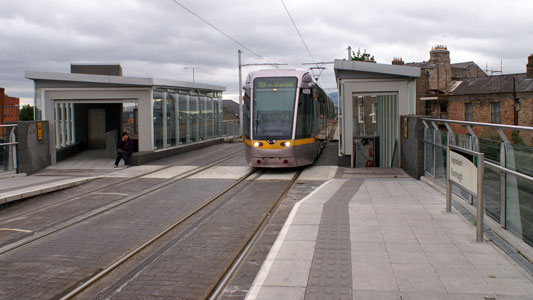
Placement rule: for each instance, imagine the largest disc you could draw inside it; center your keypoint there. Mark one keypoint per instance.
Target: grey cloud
(159, 38)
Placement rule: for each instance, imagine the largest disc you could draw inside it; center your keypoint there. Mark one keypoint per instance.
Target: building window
(469, 114)
(495, 112)
(361, 111)
(444, 111)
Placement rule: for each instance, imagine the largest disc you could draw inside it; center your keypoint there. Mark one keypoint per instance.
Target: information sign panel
(463, 171)
(39, 131)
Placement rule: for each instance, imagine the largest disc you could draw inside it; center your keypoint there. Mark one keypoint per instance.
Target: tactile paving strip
(331, 269)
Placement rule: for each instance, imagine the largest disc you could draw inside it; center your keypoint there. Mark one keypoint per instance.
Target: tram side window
(246, 114)
(306, 114)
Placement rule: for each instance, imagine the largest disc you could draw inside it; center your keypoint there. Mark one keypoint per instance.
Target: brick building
(463, 91)
(9, 109)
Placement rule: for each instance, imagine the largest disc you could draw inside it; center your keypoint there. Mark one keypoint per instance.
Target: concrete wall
(32, 155)
(412, 154)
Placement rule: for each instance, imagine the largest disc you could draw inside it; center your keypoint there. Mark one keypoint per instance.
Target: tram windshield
(273, 107)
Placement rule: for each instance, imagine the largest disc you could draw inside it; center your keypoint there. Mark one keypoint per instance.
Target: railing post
(12, 164)
(480, 201)
(448, 181)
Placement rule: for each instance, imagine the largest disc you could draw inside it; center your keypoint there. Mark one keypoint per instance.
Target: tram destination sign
(276, 83)
(463, 170)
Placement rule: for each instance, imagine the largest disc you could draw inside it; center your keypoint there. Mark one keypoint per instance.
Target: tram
(287, 118)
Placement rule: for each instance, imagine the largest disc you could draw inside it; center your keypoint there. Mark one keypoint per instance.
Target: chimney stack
(439, 54)
(397, 61)
(529, 67)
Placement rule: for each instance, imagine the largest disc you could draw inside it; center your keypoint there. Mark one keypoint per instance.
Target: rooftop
(494, 84)
(120, 80)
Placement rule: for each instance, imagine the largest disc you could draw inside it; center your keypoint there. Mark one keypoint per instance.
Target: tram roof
(277, 73)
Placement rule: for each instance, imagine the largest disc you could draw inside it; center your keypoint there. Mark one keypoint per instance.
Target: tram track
(117, 183)
(213, 205)
(218, 289)
(76, 219)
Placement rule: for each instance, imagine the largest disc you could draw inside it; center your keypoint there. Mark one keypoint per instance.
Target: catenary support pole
(240, 91)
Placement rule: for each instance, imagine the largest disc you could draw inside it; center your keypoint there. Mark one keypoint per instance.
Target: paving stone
(331, 271)
(417, 278)
(328, 293)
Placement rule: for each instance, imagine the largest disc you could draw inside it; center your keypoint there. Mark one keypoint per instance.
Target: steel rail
(135, 251)
(96, 212)
(221, 284)
(492, 125)
(102, 188)
(509, 171)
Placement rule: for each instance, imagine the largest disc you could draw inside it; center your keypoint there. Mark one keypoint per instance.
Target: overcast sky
(158, 38)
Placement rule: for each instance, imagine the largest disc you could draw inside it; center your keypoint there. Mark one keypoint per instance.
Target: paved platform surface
(79, 169)
(383, 237)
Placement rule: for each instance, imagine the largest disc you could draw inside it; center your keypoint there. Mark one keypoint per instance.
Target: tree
(362, 56)
(26, 113)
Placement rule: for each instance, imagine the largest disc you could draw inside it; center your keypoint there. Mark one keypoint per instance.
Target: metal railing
(231, 128)
(508, 174)
(8, 148)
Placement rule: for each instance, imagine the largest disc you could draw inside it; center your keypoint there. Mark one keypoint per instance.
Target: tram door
(375, 130)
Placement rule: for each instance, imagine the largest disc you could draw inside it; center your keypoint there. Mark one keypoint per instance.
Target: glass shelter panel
(158, 104)
(171, 118)
(203, 117)
(184, 116)
(209, 118)
(194, 117)
(184, 124)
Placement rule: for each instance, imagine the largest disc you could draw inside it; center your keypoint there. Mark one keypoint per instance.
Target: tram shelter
(372, 96)
(89, 108)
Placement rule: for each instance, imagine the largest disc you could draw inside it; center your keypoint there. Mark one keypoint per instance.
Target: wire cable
(220, 31)
(298, 31)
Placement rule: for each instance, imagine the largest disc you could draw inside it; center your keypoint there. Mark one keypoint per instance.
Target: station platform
(79, 169)
(362, 234)
(382, 235)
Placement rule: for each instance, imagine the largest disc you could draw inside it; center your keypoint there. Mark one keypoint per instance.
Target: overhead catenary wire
(219, 30)
(298, 31)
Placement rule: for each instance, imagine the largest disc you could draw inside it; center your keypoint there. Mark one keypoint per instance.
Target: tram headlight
(258, 144)
(285, 144)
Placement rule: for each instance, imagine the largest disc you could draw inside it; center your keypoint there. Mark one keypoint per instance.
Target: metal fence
(231, 128)
(8, 148)
(508, 174)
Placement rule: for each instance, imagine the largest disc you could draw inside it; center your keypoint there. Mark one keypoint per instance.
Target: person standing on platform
(124, 150)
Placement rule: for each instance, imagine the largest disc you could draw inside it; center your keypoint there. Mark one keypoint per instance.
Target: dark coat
(126, 145)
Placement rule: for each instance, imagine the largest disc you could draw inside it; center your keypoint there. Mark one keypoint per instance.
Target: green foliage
(26, 113)
(516, 139)
(362, 56)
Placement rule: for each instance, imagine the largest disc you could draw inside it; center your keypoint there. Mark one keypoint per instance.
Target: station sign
(465, 169)
(462, 170)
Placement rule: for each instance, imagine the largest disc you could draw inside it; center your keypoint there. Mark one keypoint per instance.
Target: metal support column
(240, 92)
(67, 121)
(72, 123)
(57, 125)
(63, 139)
(164, 120)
